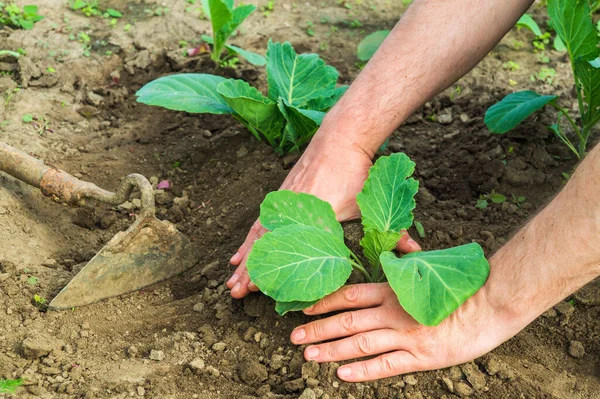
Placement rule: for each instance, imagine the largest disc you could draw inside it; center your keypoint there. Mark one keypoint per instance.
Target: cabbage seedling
(225, 20)
(304, 257)
(301, 89)
(573, 24)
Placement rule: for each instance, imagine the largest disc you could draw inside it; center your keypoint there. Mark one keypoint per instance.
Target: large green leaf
(528, 22)
(255, 109)
(301, 125)
(387, 198)
(297, 78)
(219, 14)
(190, 92)
(514, 109)
(299, 263)
(287, 208)
(283, 307)
(369, 45)
(589, 78)
(572, 22)
(375, 242)
(325, 103)
(432, 285)
(238, 16)
(251, 57)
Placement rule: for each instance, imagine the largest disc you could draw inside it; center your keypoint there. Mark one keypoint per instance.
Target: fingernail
(233, 278)
(413, 244)
(312, 352)
(251, 285)
(344, 372)
(309, 309)
(236, 287)
(298, 335)
(235, 258)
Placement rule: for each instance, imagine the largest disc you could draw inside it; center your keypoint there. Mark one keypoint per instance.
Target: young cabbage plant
(225, 20)
(573, 24)
(304, 258)
(301, 89)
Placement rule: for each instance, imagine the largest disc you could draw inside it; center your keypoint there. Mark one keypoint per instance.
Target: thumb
(406, 244)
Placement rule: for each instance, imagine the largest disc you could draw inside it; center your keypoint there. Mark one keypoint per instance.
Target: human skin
(551, 257)
(433, 45)
(555, 254)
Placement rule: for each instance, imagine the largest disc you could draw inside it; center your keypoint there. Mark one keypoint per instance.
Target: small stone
(276, 362)
(241, 152)
(410, 379)
(51, 263)
(263, 390)
(213, 371)
(312, 382)
(445, 118)
(39, 345)
(576, 349)
(219, 346)
(463, 389)
(181, 201)
(141, 391)
(94, 99)
(197, 364)
(294, 385)
(475, 377)
(448, 384)
(252, 372)
(199, 307)
(335, 384)
(206, 133)
(154, 181)
(310, 369)
(308, 394)
(132, 352)
(157, 355)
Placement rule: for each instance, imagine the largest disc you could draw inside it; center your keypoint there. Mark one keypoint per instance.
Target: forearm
(433, 45)
(556, 253)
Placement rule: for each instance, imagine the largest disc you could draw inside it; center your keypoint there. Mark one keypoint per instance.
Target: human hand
(381, 327)
(334, 173)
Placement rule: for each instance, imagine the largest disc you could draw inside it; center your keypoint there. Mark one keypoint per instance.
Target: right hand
(329, 170)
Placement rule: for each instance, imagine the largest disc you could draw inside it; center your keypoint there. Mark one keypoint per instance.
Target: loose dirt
(186, 338)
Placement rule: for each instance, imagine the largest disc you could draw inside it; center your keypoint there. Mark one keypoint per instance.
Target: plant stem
(582, 139)
(357, 264)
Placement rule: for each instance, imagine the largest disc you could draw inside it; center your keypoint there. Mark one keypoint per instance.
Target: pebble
(132, 352)
(576, 349)
(242, 152)
(449, 384)
(39, 345)
(157, 355)
(294, 385)
(445, 118)
(199, 307)
(252, 372)
(463, 389)
(310, 369)
(276, 362)
(410, 379)
(308, 393)
(219, 346)
(197, 364)
(141, 391)
(475, 377)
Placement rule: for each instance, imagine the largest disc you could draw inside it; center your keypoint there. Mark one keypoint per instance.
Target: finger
(256, 231)
(358, 345)
(242, 285)
(386, 365)
(406, 244)
(351, 297)
(343, 325)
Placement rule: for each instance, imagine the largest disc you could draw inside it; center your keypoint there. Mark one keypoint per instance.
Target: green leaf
(255, 109)
(432, 285)
(78, 4)
(10, 386)
(481, 204)
(301, 125)
(190, 92)
(387, 198)
(325, 103)
(11, 53)
(238, 16)
(369, 45)
(219, 14)
(526, 21)
(589, 78)
(514, 109)
(497, 198)
(559, 45)
(375, 242)
(283, 307)
(420, 229)
(287, 208)
(299, 263)
(572, 22)
(114, 13)
(297, 78)
(253, 58)
(27, 118)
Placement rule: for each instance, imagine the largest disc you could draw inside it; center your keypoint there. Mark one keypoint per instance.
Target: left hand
(381, 326)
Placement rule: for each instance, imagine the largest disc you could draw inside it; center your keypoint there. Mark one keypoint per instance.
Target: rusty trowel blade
(148, 252)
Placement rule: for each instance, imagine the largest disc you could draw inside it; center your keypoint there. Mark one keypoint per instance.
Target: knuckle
(363, 371)
(363, 344)
(348, 322)
(256, 227)
(317, 331)
(352, 293)
(325, 304)
(331, 352)
(386, 364)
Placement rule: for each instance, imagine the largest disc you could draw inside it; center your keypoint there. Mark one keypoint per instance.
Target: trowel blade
(148, 252)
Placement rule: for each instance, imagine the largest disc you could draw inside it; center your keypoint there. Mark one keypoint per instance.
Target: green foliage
(574, 27)
(369, 45)
(303, 257)
(526, 21)
(92, 8)
(301, 89)
(10, 386)
(16, 17)
(225, 20)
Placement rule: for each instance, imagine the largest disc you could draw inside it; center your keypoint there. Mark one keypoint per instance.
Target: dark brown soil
(209, 345)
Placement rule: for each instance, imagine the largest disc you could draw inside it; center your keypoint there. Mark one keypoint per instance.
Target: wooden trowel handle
(21, 165)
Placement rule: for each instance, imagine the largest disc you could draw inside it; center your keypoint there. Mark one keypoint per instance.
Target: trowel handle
(57, 183)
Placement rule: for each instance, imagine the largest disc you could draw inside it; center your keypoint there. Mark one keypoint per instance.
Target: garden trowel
(149, 251)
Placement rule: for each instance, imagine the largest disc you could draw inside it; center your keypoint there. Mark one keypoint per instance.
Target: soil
(186, 338)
